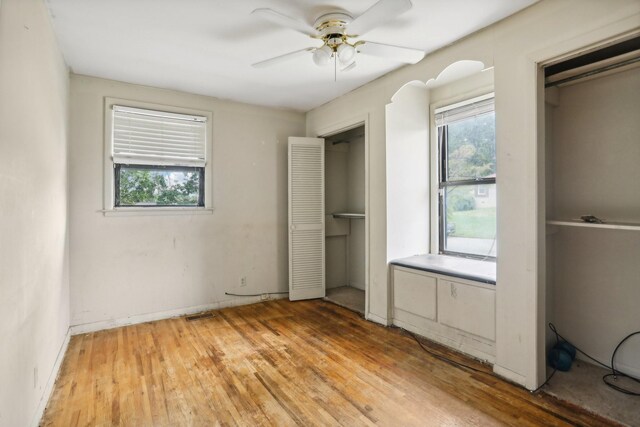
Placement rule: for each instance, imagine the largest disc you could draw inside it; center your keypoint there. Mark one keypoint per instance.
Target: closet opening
(345, 219)
(590, 251)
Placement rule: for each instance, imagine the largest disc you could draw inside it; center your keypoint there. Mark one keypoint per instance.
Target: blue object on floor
(559, 359)
(566, 346)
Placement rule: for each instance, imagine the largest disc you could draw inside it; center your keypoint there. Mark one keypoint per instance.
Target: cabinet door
(306, 218)
(414, 293)
(468, 308)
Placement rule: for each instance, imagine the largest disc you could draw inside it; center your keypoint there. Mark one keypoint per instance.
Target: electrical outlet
(35, 377)
(264, 297)
(243, 281)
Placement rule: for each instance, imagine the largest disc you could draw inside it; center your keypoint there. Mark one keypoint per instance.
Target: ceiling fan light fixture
(322, 56)
(346, 53)
(337, 29)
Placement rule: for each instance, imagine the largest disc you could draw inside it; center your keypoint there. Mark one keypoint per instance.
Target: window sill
(156, 211)
(463, 268)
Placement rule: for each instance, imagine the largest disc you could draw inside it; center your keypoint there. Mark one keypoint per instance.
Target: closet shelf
(609, 224)
(348, 215)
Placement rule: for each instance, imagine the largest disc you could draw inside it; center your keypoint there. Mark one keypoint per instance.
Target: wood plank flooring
(282, 363)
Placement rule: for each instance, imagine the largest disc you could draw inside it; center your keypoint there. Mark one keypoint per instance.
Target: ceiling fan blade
(282, 58)
(397, 53)
(349, 67)
(378, 14)
(284, 21)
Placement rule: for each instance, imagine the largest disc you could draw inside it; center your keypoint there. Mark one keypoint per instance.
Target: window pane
(470, 220)
(471, 148)
(158, 186)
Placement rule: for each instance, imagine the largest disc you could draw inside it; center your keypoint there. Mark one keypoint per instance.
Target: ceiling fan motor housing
(333, 25)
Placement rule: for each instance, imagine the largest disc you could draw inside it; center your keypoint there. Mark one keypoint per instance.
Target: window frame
(439, 169)
(109, 190)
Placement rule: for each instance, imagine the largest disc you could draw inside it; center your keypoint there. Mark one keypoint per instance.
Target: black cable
(462, 365)
(446, 359)
(553, 328)
(255, 295)
(471, 368)
(546, 381)
(614, 372)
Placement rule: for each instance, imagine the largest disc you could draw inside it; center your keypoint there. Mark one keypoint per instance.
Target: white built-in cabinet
(456, 312)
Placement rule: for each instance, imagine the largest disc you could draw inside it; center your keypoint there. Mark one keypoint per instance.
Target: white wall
(407, 167)
(596, 158)
(125, 267)
(336, 200)
(596, 149)
(356, 203)
(514, 46)
(34, 286)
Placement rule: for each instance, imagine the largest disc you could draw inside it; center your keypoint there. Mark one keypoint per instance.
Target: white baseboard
(377, 319)
(86, 328)
(53, 376)
(510, 375)
(454, 344)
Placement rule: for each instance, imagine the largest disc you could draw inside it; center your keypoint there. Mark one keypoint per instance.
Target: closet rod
(593, 72)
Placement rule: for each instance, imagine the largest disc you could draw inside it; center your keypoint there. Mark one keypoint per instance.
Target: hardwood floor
(282, 363)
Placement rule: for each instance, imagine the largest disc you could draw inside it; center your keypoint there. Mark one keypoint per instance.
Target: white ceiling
(207, 46)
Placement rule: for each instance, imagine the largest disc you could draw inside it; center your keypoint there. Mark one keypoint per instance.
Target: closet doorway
(592, 240)
(345, 219)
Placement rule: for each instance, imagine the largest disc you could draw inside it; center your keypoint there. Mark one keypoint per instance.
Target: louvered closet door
(306, 218)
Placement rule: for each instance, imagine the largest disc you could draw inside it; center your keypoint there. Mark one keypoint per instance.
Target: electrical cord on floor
(446, 359)
(615, 374)
(553, 328)
(255, 295)
(462, 365)
(546, 381)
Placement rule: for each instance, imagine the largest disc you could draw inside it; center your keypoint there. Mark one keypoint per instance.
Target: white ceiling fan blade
(378, 14)
(396, 53)
(284, 21)
(349, 67)
(282, 58)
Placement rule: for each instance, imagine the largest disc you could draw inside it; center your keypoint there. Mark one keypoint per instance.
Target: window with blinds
(159, 158)
(467, 170)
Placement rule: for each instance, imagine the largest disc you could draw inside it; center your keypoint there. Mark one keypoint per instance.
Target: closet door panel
(306, 218)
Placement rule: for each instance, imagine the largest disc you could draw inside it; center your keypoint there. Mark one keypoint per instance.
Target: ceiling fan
(336, 31)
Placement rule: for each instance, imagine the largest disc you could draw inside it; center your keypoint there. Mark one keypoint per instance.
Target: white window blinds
(457, 112)
(149, 137)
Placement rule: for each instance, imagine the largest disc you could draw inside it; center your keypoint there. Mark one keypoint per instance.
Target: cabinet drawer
(468, 308)
(414, 293)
